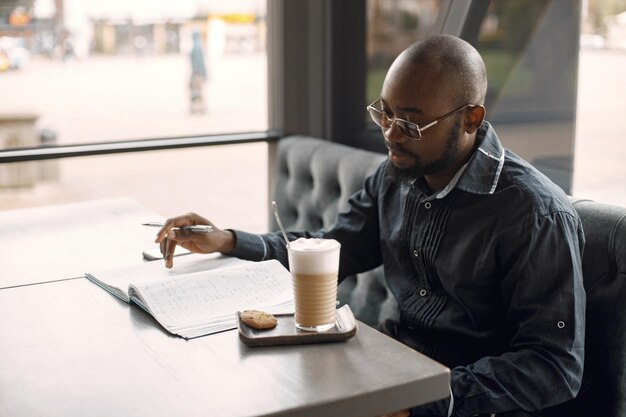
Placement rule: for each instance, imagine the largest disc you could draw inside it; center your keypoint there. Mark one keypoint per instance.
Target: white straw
(280, 224)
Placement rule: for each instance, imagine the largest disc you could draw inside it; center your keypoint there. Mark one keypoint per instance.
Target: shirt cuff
(451, 407)
(249, 246)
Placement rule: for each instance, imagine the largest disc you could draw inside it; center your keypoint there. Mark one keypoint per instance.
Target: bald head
(454, 61)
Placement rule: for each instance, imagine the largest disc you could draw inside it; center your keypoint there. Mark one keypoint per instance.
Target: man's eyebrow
(410, 110)
(404, 109)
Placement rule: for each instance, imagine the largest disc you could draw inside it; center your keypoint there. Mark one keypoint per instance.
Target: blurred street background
(84, 71)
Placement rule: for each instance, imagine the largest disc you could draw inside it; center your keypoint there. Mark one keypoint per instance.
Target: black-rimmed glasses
(409, 129)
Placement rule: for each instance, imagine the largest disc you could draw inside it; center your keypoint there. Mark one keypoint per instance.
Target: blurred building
(76, 28)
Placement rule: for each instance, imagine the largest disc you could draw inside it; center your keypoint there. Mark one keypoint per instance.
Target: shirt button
(416, 253)
(560, 324)
(427, 205)
(423, 292)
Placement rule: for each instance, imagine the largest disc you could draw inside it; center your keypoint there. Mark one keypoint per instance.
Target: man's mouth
(398, 156)
(400, 159)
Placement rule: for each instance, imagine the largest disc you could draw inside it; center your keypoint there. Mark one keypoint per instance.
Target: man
(482, 252)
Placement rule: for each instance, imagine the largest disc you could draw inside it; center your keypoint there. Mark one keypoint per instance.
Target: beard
(395, 174)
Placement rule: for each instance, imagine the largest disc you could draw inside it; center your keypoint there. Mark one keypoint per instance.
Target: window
(100, 71)
(599, 169)
(530, 49)
(391, 27)
(89, 71)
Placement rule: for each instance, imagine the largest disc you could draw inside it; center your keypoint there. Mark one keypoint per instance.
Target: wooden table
(68, 348)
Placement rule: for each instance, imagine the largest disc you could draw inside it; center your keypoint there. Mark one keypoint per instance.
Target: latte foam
(314, 256)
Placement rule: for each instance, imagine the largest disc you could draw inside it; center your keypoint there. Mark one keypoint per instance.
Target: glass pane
(599, 170)
(392, 25)
(227, 184)
(80, 71)
(530, 48)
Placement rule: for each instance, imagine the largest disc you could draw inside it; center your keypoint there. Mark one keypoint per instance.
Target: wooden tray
(286, 333)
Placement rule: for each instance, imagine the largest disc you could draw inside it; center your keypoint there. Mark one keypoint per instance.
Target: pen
(196, 228)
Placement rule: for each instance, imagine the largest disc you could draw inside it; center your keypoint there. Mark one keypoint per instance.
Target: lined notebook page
(210, 299)
(118, 280)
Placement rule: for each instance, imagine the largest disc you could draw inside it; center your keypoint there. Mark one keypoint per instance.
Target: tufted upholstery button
(416, 253)
(427, 205)
(560, 324)
(423, 292)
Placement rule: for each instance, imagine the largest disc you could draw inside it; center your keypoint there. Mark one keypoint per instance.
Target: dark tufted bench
(315, 179)
(604, 274)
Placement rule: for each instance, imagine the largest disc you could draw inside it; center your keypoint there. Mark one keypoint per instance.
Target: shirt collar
(452, 182)
(481, 173)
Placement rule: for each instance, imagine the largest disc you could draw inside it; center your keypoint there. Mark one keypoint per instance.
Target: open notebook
(201, 294)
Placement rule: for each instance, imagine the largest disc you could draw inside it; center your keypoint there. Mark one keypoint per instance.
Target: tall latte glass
(314, 266)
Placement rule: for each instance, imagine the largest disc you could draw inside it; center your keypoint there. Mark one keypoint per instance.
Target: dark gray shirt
(487, 274)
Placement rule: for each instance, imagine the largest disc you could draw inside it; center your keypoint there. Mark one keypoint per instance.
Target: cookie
(258, 319)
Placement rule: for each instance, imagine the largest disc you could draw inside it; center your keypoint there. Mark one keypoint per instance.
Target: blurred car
(14, 50)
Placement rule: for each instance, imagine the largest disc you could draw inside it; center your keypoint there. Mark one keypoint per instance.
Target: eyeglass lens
(408, 129)
(381, 119)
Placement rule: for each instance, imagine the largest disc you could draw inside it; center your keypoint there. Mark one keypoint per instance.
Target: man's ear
(474, 117)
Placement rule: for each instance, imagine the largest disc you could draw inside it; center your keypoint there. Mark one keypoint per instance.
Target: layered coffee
(314, 266)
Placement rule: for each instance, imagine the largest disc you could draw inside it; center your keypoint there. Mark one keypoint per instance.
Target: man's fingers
(188, 219)
(174, 232)
(162, 247)
(167, 250)
(180, 236)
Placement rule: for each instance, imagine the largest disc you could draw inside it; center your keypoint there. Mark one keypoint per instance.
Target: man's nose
(393, 134)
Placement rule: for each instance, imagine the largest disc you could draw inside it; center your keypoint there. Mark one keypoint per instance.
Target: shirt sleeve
(543, 289)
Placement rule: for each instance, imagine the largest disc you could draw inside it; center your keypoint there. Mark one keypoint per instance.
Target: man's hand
(216, 241)
(403, 413)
